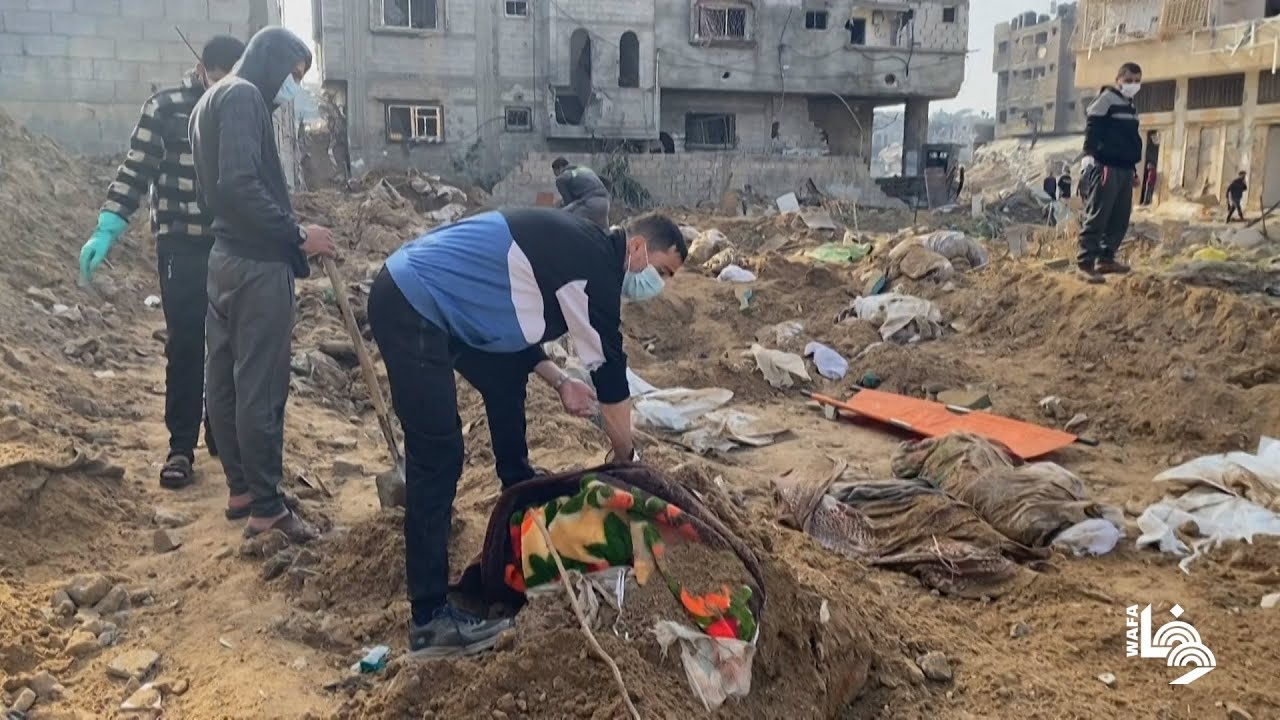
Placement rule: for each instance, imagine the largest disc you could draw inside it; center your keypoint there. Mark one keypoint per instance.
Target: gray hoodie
(237, 162)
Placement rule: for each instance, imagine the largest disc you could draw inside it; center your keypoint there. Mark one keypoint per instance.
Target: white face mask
(1131, 89)
(288, 91)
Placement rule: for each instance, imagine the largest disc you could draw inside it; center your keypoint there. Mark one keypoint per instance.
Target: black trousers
(185, 300)
(420, 359)
(1108, 205)
(1235, 207)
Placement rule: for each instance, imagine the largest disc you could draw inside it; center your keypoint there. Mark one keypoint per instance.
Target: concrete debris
(166, 518)
(114, 601)
(135, 664)
(935, 667)
(47, 686)
(87, 590)
(1108, 679)
(82, 643)
(26, 698)
(1270, 601)
(146, 697)
(165, 540)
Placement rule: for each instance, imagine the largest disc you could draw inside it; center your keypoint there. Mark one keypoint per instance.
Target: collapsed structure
(1210, 100)
(1035, 67)
(430, 82)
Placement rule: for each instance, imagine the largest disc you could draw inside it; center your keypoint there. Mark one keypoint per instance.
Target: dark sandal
(299, 531)
(291, 503)
(176, 473)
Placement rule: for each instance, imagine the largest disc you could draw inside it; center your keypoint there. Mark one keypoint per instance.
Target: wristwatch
(302, 236)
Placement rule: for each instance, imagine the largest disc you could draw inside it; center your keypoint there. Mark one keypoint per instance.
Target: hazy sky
(978, 92)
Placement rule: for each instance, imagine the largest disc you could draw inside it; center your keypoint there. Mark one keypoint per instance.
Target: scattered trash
(374, 660)
(1210, 254)
(736, 274)
(818, 219)
(678, 409)
(839, 253)
(1052, 407)
(152, 301)
(870, 380)
(1108, 679)
(745, 295)
(779, 368)
(1270, 601)
(1092, 537)
(781, 333)
(788, 203)
(1078, 422)
(726, 430)
(831, 364)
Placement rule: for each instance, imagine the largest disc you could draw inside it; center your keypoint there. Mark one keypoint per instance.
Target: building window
(411, 14)
(1042, 38)
(517, 8)
(948, 14)
(710, 131)
(1158, 96)
(722, 22)
(857, 28)
(1004, 117)
(629, 60)
(519, 119)
(1217, 91)
(414, 123)
(1268, 88)
(815, 20)
(1003, 48)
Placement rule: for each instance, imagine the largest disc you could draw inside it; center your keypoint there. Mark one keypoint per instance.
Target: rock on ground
(133, 664)
(935, 667)
(87, 590)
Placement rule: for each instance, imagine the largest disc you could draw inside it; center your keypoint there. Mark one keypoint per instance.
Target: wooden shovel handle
(366, 362)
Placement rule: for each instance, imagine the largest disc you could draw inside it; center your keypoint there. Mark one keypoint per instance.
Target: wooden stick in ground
(582, 620)
(366, 362)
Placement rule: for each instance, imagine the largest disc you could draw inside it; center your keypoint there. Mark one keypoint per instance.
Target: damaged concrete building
(481, 87)
(1210, 99)
(1035, 68)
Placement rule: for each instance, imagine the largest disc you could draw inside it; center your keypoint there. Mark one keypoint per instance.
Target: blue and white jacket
(508, 281)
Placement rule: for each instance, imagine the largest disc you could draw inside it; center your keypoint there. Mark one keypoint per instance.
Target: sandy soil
(1165, 372)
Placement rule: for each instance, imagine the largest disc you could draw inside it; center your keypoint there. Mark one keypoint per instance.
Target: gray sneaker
(453, 633)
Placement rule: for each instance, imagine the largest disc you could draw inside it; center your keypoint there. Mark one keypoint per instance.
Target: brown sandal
(299, 531)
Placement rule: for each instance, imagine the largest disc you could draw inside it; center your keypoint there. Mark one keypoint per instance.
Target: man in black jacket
(258, 250)
(159, 165)
(1112, 149)
(480, 297)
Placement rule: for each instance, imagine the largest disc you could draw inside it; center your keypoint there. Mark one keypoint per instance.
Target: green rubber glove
(110, 227)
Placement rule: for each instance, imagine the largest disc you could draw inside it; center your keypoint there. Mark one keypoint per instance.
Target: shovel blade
(391, 488)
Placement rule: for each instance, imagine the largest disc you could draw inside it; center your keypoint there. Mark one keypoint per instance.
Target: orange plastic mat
(933, 419)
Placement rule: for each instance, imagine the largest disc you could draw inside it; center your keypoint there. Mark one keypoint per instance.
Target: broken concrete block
(971, 399)
(133, 664)
(87, 590)
(166, 540)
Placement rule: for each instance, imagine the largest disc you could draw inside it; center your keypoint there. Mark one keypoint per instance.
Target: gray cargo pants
(595, 209)
(1108, 205)
(249, 331)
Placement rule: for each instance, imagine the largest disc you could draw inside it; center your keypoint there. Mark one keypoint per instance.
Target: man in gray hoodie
(259, 248)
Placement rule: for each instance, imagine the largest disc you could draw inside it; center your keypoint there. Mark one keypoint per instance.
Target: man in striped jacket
(160, 164)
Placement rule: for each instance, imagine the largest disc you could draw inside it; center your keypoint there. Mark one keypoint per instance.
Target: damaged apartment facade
(480, 84)
(1210, 99)
(1035, 68)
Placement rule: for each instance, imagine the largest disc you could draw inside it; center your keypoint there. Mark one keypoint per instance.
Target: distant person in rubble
(259, 248)
(1050, 187)
(1149, 184)
(582, 193)
(1235, 197)
(479, 297)
(1112, 151)
(959, 181)
(159, 165)
(1064, 186)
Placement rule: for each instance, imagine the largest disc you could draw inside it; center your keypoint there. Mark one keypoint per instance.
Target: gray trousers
(595, 209)
(249, 331)
(1108, 205)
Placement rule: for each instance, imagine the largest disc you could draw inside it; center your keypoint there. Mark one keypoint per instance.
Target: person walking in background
(159, 165)
(259, 248)
(1235, 196)
(1112, 151)
(1149, 184)
(582, 193)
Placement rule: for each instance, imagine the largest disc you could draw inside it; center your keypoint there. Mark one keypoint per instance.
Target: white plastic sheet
(717, 668)
(1227, 497)
(1091, 537)
(831, 364)
(736, 274)
(678, 409)
(913, 317)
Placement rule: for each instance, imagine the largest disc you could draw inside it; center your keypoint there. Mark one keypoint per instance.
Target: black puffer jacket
(237, 162)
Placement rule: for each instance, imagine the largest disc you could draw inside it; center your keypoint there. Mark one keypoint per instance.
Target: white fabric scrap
(779, 368)
(717, 668)
(915, 318)
(736, 274)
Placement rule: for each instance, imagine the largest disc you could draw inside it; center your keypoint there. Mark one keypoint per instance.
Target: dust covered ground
(1165, 371)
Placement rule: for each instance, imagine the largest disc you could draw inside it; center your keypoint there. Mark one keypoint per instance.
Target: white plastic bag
(736, 274)
(717, 668)
(831, 364)
(1091, 537)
